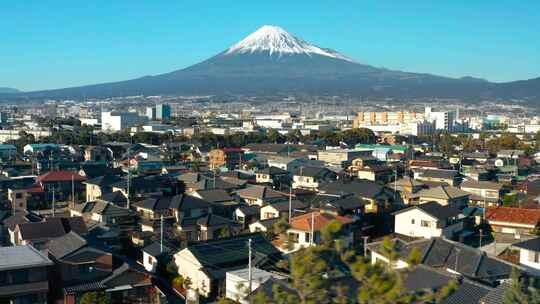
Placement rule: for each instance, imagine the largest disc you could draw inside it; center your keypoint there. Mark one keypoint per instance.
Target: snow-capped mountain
(271, 61)
(276, 41)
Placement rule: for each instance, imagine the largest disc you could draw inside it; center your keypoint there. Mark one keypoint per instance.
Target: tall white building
(116, 121)
(443, 120)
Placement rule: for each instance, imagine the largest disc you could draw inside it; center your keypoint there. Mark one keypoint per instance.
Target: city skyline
(65, 45)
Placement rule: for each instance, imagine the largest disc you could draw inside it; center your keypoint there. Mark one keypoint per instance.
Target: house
(259, 195)
(377, 197)
(76, 261)
(231, 158)
(63, 182)
(93, 170)
(291, 163)
(124, 285)
(305, 229)
(529, 254)
(206, 263)
(263, 225)
(407, 188)
(38, 234)
(99, 186)
(195, 181)
(207, 227)
(104, 212)
(347, 205)
(24, 275)
(247, 214)
(277, 209)
(270, 174)
(8, 151)
(153, 254)
(310, 178)
(448, 177)
(447, 256)
(34, 149)
(222, 203)
(490, 192)
(444, 195)
(513, 221)
(98, 154)
(341, 156)
(376, 173)
(430, 220)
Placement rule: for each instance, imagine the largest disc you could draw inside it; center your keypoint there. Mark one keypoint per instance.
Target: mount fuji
(272, 61)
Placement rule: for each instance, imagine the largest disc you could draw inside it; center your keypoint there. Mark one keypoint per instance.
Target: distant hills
(271, 61)
(8, 90)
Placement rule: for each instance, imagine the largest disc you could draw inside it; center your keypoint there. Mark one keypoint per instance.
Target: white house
(237, 284)
(305, 229)
(529, 254)
(429, 220)
(151, 255)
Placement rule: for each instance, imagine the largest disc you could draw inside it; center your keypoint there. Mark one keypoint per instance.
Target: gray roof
(215, 195)
(435, 209)
(532, 244)
(439, 173)
(20, 257)
(259, 192)
(470, 183)
(154, 249)
(67, 244)
(445, 254)
(361, 188)
(442, 192)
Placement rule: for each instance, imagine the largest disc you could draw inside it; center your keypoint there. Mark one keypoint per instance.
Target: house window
(294, 237)
(307, 236)
(412, 221)
(534, 256)
(18, 195)
(241, 219)
(424, 223)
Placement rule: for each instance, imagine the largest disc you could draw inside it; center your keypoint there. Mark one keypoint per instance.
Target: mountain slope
(4, 90)
(271, 61)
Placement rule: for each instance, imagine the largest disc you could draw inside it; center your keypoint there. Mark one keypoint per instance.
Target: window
(294, 237)
(18, 195)
(424, 223)
(307, 236)
(534, 256)
(412, 221)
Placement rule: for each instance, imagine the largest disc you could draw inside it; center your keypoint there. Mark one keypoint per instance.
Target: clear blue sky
(53, 44)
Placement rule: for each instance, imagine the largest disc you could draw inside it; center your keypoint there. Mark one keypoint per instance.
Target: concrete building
(117, 121)
(444, 120)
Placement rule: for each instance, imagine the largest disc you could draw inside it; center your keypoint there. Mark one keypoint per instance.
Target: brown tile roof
(61, 176)
(514, 215)
(320, 220)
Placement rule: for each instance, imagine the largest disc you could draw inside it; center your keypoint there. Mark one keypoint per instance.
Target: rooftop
(17, 257)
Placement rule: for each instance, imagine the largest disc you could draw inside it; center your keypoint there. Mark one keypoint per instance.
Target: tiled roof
(320, 220)
(532, 244)
(61, 176)
(513, 215)
(443, 192)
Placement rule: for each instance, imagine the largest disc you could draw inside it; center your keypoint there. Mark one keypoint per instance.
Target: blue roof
(34, 146)
(7, 147)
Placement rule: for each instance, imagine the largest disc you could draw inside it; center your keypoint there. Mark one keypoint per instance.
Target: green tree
(522, 290)
(95, 297)
(313, 281)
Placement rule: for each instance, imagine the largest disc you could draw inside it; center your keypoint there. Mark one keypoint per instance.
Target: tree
(522, 290)
(312, 281)
(359, 135)
(95, 297)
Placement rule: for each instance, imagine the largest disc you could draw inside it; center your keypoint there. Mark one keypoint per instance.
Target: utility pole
(250, 274)
(311, 236)
(129, 179)
(73, 189)
(365, 245)
(290, 204)
(53, 201)
(161, 237)
(480, 239)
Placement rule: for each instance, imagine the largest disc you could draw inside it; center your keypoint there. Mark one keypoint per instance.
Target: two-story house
(529, 254)
(305, 230)
(260, 195)
(430, 220)
(269, 175)
(444, 195)
(483, 191)
(310, 178)
(24, 275)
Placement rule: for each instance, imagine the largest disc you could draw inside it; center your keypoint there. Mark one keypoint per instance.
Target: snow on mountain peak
(276, 40)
